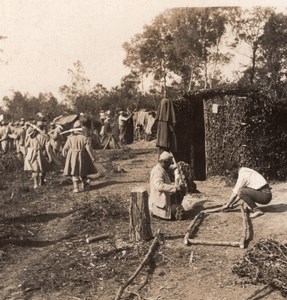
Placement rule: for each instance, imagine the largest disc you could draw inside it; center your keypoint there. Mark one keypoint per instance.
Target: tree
(274, 53)
(180, 43)
(248, 27)
(80, 84)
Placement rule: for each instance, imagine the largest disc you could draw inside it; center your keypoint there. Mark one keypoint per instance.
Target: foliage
(27, 106)
(274, 54)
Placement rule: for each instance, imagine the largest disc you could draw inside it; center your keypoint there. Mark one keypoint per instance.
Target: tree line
(183, 49)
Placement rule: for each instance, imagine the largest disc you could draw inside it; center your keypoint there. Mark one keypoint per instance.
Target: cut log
(140, 227)
(213, 243)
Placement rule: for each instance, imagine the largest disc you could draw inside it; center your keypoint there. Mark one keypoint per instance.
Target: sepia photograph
(143, 150)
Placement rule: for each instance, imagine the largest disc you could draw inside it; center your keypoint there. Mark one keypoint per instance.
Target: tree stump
(140, 227)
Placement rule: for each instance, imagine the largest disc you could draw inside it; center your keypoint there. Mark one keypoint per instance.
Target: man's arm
(231, 200)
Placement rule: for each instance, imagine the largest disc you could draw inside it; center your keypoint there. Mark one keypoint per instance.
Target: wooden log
(213, 243)
(191, 227)
(246, 229)
(151, 252)
(98, 237)
(140, 227)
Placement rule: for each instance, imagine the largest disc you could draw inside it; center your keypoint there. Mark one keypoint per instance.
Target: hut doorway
(190, 132)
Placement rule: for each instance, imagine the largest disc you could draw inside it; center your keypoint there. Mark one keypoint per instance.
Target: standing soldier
(79, 157)
(22, 136)
(55, 137)
(36, 160)
(4, 137)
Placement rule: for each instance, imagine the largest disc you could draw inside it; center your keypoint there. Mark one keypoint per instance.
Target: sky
(45, 38)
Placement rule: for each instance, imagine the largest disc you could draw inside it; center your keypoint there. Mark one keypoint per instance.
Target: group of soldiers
(42, 148)
(48, 147)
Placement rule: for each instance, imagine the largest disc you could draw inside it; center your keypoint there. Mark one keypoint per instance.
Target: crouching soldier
(79, 158)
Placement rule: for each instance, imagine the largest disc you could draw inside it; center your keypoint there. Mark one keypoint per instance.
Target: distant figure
(102, 116)
(122, 126)
(252, 188)
(161, 188)
(5, 130)
(36, 159)
(79, 158)
(56, 137)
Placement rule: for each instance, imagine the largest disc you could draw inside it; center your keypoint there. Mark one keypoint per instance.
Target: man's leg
(251, 197)
(76, 180)
(35, 176)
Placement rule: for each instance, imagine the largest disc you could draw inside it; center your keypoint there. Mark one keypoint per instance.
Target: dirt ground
(44, 252)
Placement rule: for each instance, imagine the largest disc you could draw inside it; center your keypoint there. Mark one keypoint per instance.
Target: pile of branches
(265, 263)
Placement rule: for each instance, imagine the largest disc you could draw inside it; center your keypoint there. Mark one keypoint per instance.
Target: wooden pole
(140, 227)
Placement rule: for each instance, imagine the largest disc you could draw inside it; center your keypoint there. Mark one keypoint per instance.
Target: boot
(35, 182)
(42, 180)
(86, 183)
(76, 187)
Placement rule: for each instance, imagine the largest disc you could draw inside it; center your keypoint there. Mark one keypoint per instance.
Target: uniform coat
(79, 156)
(36, 160)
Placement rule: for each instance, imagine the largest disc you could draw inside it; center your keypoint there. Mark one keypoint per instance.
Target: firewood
(151, 252)
(213, 243)
(98, 237)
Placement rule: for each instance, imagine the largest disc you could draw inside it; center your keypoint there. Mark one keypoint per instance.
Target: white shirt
(249, 178)
(122, 120)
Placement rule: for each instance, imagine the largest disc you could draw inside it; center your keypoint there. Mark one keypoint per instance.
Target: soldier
(5, 130)
(36, 160)
(21, 134)
(79, 158)
(55, 137)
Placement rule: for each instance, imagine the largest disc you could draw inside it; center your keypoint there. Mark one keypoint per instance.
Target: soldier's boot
(42, 179)
(35, 179)
(86, 183)
(76, 186)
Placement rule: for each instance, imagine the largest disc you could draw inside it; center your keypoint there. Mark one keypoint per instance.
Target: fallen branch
(153, 248)
(98, 237)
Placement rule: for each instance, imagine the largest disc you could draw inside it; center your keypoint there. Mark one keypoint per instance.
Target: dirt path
(51, 219)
